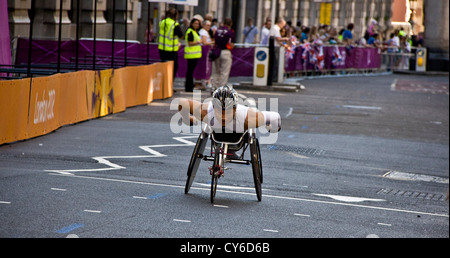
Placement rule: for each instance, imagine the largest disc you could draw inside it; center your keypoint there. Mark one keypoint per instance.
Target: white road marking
(227, 187)
(92, 211)
(264, 195)
(105, 160)
(140, 197)
(220, 206)
(349, 198)
(271, 230)
(296, 155)
(302, 215)
(181, 220)
(362, 107)
(290, 112)
(393, 85)
(384, 224)
(58, 189)
(3, 202)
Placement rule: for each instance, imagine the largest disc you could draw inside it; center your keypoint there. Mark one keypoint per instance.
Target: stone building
(135, 14)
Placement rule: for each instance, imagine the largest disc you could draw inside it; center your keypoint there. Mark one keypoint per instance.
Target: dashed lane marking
(264, 195)
(182, 220)
(301, 215)
(58, 189)
(92, 211)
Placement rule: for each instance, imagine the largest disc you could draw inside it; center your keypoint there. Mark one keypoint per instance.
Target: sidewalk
(246, 83)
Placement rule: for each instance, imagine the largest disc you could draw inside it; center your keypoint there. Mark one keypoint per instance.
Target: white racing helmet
(225, 97)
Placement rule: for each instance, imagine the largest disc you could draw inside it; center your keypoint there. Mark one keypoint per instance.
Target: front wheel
(256, 167)
(195, 160)
(215, 172)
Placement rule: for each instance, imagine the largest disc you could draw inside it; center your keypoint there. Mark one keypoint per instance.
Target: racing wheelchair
(222, 147)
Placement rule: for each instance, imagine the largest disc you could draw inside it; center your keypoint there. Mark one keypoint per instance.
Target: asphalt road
(357, 157)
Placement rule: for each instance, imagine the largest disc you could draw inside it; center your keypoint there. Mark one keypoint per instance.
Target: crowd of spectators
(389, 41)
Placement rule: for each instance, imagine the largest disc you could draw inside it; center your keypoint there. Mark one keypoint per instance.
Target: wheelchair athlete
(225, 115)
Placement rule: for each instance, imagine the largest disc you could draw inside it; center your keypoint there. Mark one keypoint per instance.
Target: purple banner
(333, 57)
(302, 59)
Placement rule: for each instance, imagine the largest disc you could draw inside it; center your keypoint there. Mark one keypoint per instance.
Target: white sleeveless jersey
(238, 124)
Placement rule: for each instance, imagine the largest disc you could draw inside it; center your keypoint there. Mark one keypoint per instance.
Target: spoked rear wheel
(195, 160)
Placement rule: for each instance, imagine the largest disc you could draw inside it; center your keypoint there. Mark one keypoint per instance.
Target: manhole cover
(298, 150)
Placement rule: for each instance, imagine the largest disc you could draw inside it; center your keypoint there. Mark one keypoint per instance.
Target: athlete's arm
(256, 118)
(272, 121)
(191, 111)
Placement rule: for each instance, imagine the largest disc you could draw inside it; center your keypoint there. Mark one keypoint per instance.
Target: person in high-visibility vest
(169, 34)
(192, 52)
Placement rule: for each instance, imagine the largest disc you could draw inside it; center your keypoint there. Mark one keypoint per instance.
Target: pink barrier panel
(332, 57)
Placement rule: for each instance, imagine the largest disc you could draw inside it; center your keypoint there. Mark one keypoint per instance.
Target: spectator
(405, 46)
(250, 32)
(396, 38)
(149, 34)
(298, 30)
(205, 35)
(347, 36)
(372, 27)
(225, 39)
(289, 29)
(169, 34)
(332, 36)
(275, 32)
(416, 41)
(341, 36)
(207, 40)
(401, 32)
(304, 35)
(265, 32)
(373, 41)
(279, 41)
(192, 52)
(214, 25)
(313, 34)
(184, 25)
(392, 43)
(213, 28)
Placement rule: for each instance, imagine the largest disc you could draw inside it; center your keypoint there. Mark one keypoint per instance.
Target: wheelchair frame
(219, 156)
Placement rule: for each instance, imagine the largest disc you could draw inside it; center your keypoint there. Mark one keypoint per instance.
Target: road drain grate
(412, 194)
(298, 150)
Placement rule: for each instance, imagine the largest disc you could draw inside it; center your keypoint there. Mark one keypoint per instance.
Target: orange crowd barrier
(34, 107)
(14, 96)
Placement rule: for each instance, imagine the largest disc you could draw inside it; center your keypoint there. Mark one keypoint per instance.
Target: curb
(285, 87)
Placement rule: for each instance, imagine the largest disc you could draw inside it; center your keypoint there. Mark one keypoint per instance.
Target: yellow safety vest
(167, 39)
(191, 52)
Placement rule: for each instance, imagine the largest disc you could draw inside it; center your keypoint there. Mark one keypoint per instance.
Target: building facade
(133, 16)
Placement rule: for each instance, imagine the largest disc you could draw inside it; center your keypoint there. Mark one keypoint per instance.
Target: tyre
(216, 172)
(195, 160)
(260, 161)
(256, 167)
